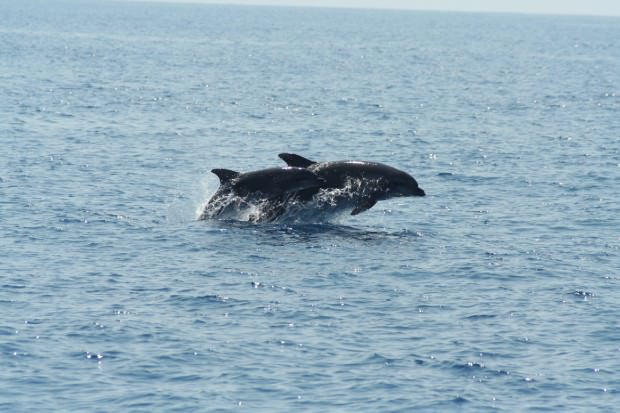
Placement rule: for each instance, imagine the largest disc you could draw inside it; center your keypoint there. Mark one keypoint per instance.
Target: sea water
(498, 291)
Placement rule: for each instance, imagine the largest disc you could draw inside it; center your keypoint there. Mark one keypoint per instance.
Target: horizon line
(336, 5)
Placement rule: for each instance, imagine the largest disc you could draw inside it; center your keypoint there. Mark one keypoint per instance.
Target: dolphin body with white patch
(354, 184)
(266, 190)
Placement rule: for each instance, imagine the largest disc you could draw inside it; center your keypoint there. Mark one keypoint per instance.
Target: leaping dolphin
(268, 189)
(357, 184)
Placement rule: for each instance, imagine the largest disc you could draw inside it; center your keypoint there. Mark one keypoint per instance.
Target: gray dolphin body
(267, 189)
(356, 184)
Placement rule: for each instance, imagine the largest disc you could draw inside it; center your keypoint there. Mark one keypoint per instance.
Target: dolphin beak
(408, 190)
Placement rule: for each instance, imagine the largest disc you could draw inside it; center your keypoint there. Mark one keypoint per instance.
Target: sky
(591, 7)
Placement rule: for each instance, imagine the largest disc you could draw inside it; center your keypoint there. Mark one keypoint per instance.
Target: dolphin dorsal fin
(292, 159)
(225, 175)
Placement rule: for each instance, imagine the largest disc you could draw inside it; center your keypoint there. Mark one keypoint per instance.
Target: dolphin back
(276, 181)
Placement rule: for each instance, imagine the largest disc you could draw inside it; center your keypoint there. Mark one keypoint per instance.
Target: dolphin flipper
(364, 205)
(225, 175)
(292, 159)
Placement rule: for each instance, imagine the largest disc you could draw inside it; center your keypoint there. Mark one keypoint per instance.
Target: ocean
(498, 292)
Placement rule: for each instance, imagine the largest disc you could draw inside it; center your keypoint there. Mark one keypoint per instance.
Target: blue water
(498, 291)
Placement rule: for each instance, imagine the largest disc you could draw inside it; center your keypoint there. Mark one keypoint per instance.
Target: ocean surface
(497, 292)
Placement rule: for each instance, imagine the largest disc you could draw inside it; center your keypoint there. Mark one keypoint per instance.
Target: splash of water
(326, 206)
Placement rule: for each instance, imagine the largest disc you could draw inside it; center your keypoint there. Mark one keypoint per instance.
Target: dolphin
(268, 189)
(356, 184)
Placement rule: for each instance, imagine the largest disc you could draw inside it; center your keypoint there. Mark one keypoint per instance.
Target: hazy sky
(596, 7)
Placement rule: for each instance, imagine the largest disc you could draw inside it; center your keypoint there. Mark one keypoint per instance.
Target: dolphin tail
(225, 175)
(292, 159)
